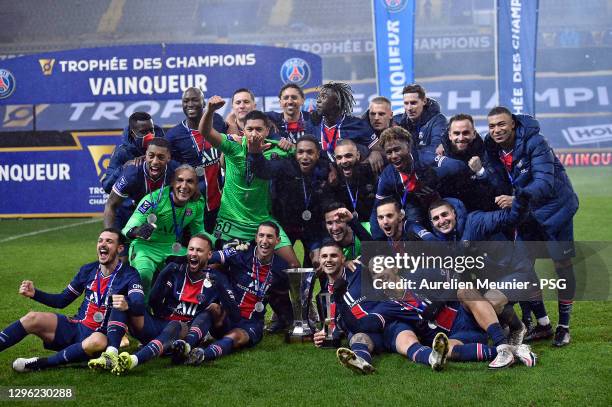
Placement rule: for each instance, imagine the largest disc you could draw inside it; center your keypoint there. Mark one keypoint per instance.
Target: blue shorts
(253, 327)
(465, 328)
(392, 331)
(559, 244)
(68, 332)
(153, 326)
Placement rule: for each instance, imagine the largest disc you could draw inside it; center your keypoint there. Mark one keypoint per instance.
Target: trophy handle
(309, 302)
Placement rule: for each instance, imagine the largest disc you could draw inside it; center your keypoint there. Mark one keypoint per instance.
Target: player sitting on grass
(251, 273)
(79, 337)
(184, 304)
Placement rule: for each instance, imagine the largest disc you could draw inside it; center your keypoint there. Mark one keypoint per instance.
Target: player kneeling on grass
(79, 337)
(251, 273)
(183, 300)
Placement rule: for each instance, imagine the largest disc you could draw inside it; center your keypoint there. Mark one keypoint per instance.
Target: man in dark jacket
(519, 160)
(422, 118)
(461, 142)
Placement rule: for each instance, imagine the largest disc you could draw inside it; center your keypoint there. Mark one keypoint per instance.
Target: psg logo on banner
(296, 71)
(395, 6)
(7, 83)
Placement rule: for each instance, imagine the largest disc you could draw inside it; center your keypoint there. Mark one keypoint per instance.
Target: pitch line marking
(38, 232)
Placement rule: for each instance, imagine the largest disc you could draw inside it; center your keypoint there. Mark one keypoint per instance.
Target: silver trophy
(324, 308)
(300, 292)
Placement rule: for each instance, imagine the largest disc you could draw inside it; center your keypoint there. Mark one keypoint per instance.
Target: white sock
(134, 361)
(112, 349)
(544, 321)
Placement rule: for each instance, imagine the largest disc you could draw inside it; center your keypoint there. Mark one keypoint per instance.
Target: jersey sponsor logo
(7, 83)
(295, 70)
(144, 207)
(394, 6)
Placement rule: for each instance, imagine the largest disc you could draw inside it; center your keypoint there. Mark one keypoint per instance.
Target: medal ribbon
(331, 142)
(353, 200)
(198, 143)
(260, 288)
(294, 129)
(506, 159)
(306, 196)
(99, 279)
(177, 230)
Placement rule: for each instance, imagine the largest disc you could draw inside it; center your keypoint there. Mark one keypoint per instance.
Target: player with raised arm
(79, 337)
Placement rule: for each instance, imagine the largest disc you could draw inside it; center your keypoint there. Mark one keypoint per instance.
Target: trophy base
(290, 338)
(331, 343)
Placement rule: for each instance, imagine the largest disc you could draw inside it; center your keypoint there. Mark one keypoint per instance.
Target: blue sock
(525, 312)
(496, 333)
(117, 326)
(220, 348)
(199, 327)
(538, 308)
(418, 353)
(361, 350)
(473, 352)
(12, 334)
(73, 353)
(163, 341)
(565, 312)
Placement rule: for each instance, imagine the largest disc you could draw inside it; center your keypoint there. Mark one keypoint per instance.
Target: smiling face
(291, 101)
(389, 219)
(307, 155)
(338, 230)
(242, 104)
(108, 248)
(461, 134)
(398, 154)
(501, 129)
(193, 103)
(266, 240)
(332, 261)
(156, 159)
(443, 219)
(347, 156)
(198, 254)
(414, 105)
(184, 186)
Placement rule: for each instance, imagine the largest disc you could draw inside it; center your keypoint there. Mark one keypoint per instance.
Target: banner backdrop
(153, 72)
(394, 38)
(517, 33)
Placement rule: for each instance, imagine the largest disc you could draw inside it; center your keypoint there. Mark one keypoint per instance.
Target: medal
(151, 219)
(207, 282)
(199, 170)
(355, 215)
(98, 316)
(259, 307)
(178, 230)
(306, 215)
(176, 247)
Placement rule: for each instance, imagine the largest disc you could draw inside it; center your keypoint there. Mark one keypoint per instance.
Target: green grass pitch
(274, 373)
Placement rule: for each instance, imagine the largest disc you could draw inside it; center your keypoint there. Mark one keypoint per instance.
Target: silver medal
(207, 283)
(259, 307)
(355, 215)
(199, 170)
(98, 316)
(152, 218)
(306, 215)
(176, 247)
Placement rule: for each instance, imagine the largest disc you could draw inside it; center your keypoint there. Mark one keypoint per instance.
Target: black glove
(144, 231)
(340, 287)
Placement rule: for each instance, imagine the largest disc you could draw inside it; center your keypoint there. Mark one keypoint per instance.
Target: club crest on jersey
(394, 6)
(144, 207)
(295, 70)
(7, 83)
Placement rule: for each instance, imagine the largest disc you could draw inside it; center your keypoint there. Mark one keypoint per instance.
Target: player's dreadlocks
(343, 91)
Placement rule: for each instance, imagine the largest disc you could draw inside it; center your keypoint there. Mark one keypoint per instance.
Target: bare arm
(206, 123)
(110, 208)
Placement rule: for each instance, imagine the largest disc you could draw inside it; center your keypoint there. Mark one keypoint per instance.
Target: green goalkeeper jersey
(245, 201)
(189, 216)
